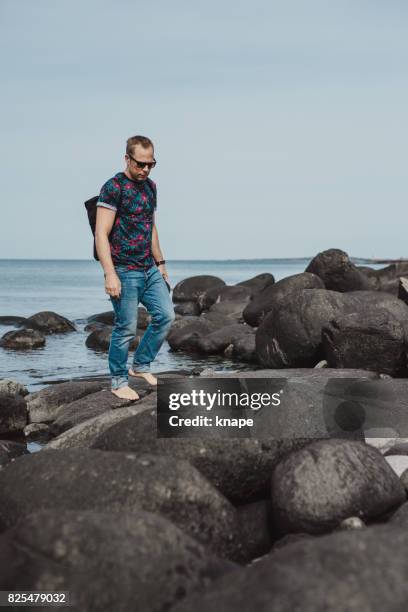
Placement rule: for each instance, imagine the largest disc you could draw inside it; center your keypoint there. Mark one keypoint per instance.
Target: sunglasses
(142, 164)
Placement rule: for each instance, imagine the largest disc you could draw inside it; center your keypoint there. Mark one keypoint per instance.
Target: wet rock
(12, 320)
(188, 309)
(374, 340)
(258, 283)
(278, 294)
(49, 323)
(347, 571)
(12, 387)
(105, 318)
(22, 339)
(316, 487)
(185, 337)
(44, 406)
(192, 288)
(99, 339)
(243, 348)
(120, 562)
(217, 341)
(81, 479)
(13, 413)
(224, 293)
(231, 309)
(10, 450)
(90, 406)
(337, 271)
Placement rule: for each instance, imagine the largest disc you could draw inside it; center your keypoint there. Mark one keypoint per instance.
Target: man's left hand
(163, 271)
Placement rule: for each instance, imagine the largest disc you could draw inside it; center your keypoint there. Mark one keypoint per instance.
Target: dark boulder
(258, 283)
(278, 294)
(12, 320)
(49, 323)
(10, 450)
(232, 310)
(187, 309)
(23, 339)
(243, 349)
(217, 341)
(121, 562)
(81, 479)
(185, 337)
(373, 340)
(315, 488)
(347, 571)
(13, 413)
(45, 405)
(192, 288)
(99, 339)
(224, 293)
(337, 271)
(105, 318)
(255, 526)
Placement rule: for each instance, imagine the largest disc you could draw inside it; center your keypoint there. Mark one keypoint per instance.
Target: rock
(258, 283)
(403, 290)
(278, 294)
(404, 480)
(239, 467)
(337, 271)
(369, 339)
(255, 527)
(188, 308)
(347, 571)
(22, 339)
(13, 413)
(81, 479)
(45, 405)
(12, 320)
(90, 406)
(10, 450)
(37, 431)
(49, 323)
(398, 463)
(316, 487)
(400, 517)
(12, 387)
(192, 288)
(99, 339)
(232, 309)
(185, 337)
(105, 318)
(84, 434)
(119, 562)
(217, 341)
(352, 522)
(243, 348)
(224, 293)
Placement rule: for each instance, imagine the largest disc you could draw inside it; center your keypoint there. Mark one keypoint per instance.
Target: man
(128, 249)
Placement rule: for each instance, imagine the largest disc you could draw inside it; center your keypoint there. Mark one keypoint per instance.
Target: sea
(75, 289)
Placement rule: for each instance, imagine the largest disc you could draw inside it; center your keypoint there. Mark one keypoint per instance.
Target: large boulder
(93, 405)
(187, 309)
(23, 339)
(81, 479)
(243, 349)
(278, 294)
(316, 487)
(10, 450)
(224, 293)
(258, 283)
(45, 405)
(374, 340)
(348, 571)
(231, 309)
(140, 562)
(239, 468)
(12, 320)
(13, 413)
(99, 339)
(49, 323)
(217, 341)
(337, 271)
(185, 337)
(191, 289)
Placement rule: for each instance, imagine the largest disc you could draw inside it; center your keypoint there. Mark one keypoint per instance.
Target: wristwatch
(158, 263)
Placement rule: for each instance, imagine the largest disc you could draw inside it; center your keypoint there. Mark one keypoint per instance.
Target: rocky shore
(125, 520)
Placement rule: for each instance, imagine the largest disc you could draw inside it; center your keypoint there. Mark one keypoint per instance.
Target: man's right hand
(113, 285)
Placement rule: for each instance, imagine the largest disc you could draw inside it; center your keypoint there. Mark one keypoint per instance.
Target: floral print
(131, 235)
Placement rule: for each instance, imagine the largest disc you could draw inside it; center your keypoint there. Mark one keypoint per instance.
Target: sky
(280, 128)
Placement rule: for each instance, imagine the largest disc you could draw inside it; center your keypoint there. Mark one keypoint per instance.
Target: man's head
(139, 157)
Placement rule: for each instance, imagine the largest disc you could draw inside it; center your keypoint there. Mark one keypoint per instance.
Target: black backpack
(91, 209)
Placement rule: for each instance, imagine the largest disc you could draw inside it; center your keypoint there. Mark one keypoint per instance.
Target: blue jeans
(149, 288)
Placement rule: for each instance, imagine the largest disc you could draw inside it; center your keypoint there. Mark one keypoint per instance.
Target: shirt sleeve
(109, 196)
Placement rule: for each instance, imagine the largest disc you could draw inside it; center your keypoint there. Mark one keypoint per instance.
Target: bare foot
(125, 393)
(152, 380)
